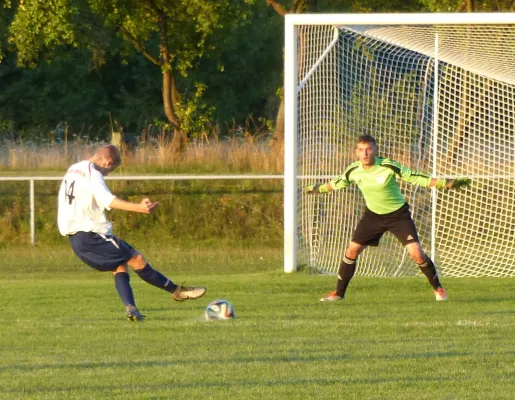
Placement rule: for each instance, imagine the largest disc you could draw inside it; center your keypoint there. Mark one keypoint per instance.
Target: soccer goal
(437, 91)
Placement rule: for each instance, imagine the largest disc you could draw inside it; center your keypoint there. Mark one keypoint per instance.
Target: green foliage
(184, 30)
(366, 6)
(228, 63)
(345, 6)
(460, 5)
(13, 217)
(71, 89)
(250, 56)
(5, 20)
(41, 26)
(159, 30)
(442, 5)
(195, 114)
(196, 211)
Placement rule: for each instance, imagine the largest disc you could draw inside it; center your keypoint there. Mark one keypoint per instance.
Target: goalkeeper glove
(318, 188)
(456, 183)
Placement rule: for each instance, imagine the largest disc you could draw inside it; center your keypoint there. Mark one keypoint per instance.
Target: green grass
(64, 336)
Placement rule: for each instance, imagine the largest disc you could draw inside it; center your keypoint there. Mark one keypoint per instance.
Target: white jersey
(83, 199)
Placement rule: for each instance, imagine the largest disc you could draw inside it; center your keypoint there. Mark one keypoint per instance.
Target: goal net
(438, 94)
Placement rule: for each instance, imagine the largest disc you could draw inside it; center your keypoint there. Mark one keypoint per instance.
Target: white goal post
(437, 91)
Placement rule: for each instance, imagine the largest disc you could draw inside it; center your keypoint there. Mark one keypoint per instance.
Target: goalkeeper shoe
(188, 292)
(440, 294)
(331, 297)
(133, 313)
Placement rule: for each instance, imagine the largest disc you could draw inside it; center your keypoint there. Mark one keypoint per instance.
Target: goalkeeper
(386, 210)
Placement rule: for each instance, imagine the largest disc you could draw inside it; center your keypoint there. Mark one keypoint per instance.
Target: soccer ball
(219, 310)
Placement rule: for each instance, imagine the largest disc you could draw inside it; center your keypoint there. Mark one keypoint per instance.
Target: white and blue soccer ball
(219, 310)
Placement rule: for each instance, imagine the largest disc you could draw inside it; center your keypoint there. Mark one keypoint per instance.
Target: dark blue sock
(150, 275)
(124, 289)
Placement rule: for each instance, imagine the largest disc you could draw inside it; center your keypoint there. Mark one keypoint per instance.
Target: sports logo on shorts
(409, 237)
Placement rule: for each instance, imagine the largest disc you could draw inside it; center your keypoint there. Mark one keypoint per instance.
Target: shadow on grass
(306, 269)
(316, 357)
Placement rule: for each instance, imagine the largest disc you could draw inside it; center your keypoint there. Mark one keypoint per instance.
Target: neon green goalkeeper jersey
(379, 183)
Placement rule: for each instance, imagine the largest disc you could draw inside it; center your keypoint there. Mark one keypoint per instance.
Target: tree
(73, 89)
(469, 5)
(172, 35)
(5, 20)
(297, 7)
(250, 58)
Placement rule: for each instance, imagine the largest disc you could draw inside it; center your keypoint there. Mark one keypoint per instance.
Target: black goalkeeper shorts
(372, 226)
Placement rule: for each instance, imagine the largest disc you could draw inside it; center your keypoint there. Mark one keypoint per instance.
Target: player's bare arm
(146, 206)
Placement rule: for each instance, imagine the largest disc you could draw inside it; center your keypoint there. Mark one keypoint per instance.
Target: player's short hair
(366, 139)
(110, 151)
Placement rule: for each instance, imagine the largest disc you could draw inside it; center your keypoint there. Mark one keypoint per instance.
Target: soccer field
(64, 335)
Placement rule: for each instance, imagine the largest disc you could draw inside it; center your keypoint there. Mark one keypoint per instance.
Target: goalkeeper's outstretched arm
(447, 184)
(338, 183)
(319, 188)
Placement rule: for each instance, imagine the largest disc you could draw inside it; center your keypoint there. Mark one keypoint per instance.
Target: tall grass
(236, 155)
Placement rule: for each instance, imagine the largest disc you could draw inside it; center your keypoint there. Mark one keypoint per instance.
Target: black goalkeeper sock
(156, 278)
(429, 270)
(345, 274)
(124, 289)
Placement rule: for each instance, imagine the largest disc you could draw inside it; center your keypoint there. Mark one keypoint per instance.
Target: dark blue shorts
(103, 253)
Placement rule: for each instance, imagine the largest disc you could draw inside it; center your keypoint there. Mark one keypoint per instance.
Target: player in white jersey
(83, 200)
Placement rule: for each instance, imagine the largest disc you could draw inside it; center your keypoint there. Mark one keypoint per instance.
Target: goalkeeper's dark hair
(366, 139)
